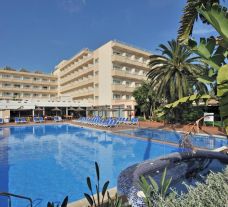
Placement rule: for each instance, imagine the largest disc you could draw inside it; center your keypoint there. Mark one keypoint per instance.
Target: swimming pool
(202, 141)
(48, 162)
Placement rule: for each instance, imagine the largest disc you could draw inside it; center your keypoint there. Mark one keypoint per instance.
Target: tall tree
(174, 73)
(145, 98)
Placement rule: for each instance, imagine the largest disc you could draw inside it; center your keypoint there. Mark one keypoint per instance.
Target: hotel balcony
(83, 94)
(128, 61)
(122, 88)
(28, 81)
(76, 65)
(123, 101)
(76, 85)
(76, 75)
(32, 90)
(127, 75)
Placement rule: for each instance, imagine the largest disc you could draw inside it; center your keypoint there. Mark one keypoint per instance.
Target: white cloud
(72, 6)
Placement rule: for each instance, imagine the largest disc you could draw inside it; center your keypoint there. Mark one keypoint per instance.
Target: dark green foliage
(145, 98)
(98, 201)
(190, 15)
(154, 193)
(174, 73)
(64, 203)
(212, 193)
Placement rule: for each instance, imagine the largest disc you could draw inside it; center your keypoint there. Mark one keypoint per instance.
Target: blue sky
(38, 34)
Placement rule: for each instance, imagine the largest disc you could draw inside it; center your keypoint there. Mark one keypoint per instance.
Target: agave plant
(98, 199)
(155, 194)
(64, 203)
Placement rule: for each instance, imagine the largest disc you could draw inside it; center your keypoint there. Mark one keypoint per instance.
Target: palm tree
(174, 74)
(190, 15)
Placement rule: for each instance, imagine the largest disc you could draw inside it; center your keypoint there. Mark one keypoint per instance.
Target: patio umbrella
(56, 109)
(71, 109)
(38, 109)
(79, 109)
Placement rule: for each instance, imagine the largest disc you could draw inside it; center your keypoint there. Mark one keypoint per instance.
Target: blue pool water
(48, 162)
(202, 141)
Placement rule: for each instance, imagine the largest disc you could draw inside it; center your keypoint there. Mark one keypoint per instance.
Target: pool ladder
(9, 195)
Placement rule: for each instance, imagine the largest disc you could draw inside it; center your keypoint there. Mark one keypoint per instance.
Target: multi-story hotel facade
(106, 76)
(26, 85)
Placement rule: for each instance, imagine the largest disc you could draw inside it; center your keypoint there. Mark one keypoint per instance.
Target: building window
(26, 94)
(116, 96)
(96, 61)
(17, 77)
(6, 76)
(127, 83)
(45, 87)
(17, 86)
(16, 94)
(7, 85)
(116, 81)
(115, 52)
(117, 67)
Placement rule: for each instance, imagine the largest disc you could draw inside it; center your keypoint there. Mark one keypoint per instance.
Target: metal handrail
(9, 195)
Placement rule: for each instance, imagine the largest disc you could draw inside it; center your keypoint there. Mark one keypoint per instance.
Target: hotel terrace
(106, 76)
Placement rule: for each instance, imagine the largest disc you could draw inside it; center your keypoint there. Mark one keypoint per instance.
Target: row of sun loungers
(97, 121)
(23, 120)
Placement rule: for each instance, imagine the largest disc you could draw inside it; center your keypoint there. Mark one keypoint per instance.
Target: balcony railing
(77, 75)
(122, 88)
(76, 85)
(129, 61)
(125, 75)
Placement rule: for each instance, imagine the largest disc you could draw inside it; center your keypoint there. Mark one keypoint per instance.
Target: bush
(214, 192)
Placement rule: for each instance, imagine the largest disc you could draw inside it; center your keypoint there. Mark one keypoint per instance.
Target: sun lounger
(36, 120)
(41, 119)
(135, 121)
(23, 120)
(57, 119)
(17, 120)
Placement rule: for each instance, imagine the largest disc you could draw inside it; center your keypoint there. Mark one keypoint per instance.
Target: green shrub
(212, 193)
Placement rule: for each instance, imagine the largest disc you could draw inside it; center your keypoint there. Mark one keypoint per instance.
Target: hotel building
(106, 76)
(26, 85)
